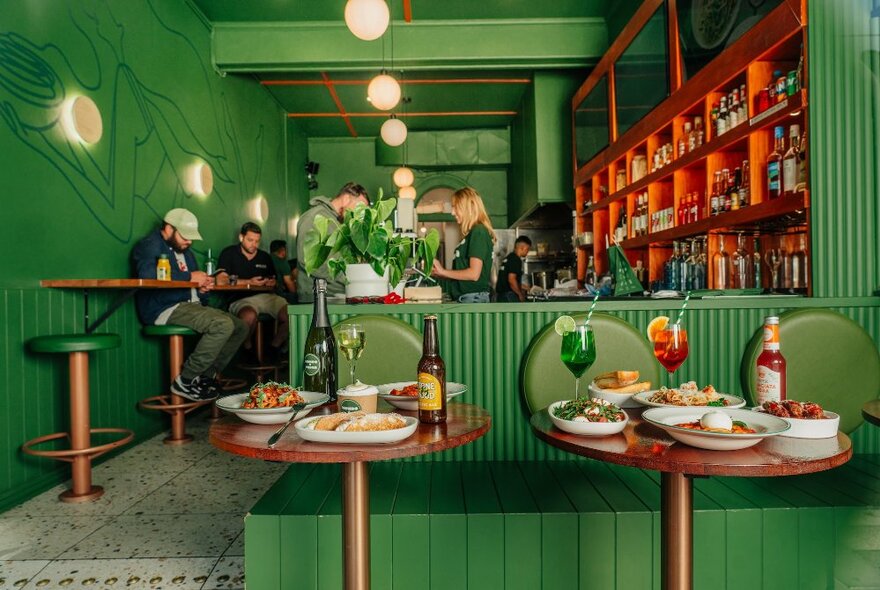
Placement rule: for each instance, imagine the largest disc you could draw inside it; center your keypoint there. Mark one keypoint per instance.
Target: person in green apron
(468, 279)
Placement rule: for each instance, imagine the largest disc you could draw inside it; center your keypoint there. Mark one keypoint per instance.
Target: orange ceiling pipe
(329, 83)
(402, 82)
(403, 115)
(407, 11)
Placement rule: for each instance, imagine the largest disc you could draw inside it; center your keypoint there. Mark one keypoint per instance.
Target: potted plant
(365, 248)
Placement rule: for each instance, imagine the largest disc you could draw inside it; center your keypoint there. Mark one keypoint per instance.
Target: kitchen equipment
(543, 279)
(563, 274)
(543, 249)
(585, 238)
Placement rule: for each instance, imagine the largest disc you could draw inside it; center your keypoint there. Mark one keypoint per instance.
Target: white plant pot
(362, 281)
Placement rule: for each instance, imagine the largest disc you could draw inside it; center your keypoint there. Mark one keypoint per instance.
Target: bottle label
(349, 405)
(771, 337)
(789, 175)
(311, 365)
(769, 386)
(430, 391)
(773, 175)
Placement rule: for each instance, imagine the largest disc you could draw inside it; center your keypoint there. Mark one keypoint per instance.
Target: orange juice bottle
(163, 268)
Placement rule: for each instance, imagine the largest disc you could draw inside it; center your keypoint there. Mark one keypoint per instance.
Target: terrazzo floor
(171, 518)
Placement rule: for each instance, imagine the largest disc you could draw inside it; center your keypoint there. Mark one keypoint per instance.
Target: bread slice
(373, 422)
(631, 388)
(615, 379)
(332, 421)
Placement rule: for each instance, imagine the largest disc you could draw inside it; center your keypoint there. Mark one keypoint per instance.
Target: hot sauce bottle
(771, 365)
(432, 377)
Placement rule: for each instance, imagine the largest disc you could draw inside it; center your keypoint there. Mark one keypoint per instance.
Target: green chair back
(619, 346)
(392, 351)
(68, 343)
(829, 359)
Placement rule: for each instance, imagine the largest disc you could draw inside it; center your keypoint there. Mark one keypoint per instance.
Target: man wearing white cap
(222, 333)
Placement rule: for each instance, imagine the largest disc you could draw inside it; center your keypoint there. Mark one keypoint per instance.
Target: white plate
(232, 403)
(801, 428)
(644, 397)
(621, 400)
(586, 428)
(412, 403)
(378, 437)
(764, 425)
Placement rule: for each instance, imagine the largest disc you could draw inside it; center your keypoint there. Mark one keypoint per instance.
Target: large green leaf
(315, 248)
(385, 208)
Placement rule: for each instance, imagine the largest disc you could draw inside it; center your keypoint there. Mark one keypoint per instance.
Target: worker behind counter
(509, 287)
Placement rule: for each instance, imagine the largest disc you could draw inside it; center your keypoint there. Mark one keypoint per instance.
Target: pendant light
(383, 92)
(407, 192)
(367, 19)
(393, 131)
(403, 176)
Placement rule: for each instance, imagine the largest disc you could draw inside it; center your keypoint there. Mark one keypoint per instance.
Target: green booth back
(391, 353)
(619, 346)
(829, 359)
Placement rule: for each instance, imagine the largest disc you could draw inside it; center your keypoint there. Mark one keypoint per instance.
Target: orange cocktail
(671, 347)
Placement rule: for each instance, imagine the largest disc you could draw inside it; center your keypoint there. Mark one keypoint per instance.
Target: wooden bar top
(464, 423)
(143, 284)
(645, 446)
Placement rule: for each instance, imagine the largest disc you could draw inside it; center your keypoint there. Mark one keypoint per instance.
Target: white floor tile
(130, 574)
(228, 574)
(15, 574)
(44, 537)
(173, 536)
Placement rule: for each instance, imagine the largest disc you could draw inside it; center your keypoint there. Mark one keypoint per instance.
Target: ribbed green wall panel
(844, 67)
(484, 345)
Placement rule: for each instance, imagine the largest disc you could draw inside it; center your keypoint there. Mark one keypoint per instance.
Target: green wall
(75, 211)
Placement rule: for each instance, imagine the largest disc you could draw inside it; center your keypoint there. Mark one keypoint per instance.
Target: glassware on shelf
(773, 258)
(799, 264)
(721, 266)
(786, 268)
(742, 265)
(756, 261)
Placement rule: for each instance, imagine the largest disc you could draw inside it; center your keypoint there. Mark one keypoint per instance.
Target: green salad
(589, 410)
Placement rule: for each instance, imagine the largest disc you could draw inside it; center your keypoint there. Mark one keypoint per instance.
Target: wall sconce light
(367, 19)
(291, 225)
(258, 208)
(393, 131)
(403, 176)
(383, 92)
(81, 119)
(200, 180)
(407, 192)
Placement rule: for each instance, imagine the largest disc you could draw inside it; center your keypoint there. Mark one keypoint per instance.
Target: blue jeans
(482, 297)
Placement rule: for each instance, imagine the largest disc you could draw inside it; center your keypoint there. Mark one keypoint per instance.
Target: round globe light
(367, 19)
(403, 176)
(383, 92)
(393, 132)
(407, 192)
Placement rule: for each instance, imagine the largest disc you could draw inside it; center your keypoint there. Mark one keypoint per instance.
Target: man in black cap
(222, 333)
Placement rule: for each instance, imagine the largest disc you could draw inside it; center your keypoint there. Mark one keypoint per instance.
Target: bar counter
(483, 346)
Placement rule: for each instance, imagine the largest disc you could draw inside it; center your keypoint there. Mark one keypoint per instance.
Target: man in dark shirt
(221, 332)
(252, 266)
(509, 283)
(285, 280)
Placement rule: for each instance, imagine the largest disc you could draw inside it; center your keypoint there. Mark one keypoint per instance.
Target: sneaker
(210, 385)
(191, 390)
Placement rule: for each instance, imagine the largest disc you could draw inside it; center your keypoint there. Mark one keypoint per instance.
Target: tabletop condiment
(771, 365)
(432, 376)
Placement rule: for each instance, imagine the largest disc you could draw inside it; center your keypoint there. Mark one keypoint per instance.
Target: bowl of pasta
(688, 395)
(270, 403)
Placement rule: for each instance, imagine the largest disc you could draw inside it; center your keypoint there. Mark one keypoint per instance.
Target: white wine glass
(352, 340)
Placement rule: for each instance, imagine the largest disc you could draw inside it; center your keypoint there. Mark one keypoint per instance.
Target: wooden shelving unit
(777, 42)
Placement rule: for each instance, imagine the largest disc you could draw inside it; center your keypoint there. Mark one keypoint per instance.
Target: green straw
(683, 306)
(592, 307)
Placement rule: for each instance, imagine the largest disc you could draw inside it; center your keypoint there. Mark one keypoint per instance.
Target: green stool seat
(619, 346)
(169, 330)
(392, 351)
(829, 359)
(68, 343)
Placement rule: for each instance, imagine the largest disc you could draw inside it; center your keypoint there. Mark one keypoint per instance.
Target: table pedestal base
(356, 525)
(676, 537)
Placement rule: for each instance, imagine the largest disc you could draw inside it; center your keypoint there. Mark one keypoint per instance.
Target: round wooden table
(645, 446)
(465, 423)
(871, 411)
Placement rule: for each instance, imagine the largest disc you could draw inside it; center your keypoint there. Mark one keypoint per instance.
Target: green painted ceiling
(316, 98)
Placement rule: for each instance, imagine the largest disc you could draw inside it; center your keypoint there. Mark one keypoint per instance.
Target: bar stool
(262, 368)
(174, 405)
(81, 453)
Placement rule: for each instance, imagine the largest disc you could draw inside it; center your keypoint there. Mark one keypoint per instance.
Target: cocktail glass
(671, 347)
(578, 352)
(352, 340)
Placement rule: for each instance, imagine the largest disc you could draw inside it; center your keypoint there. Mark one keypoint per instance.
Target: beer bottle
(432, 377)
(319, 357)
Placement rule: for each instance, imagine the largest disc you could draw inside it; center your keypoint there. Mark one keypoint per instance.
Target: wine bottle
(319, 357)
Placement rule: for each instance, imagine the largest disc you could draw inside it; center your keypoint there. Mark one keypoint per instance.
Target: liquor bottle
(743, 104)
(690, 136)
(683, 140)
(733, 191)
(671, 270)
(699, 133)
(432, 376)
(209, 264)
(694, 215)
(320, 355)
(681, 212)
(700, 266)
(756, 262)
(744, 191)
(721, 266)
(771, 365)
(802, 165)
(684, 277)
(774, 165)
(742, 265)
(590, 274)
(799, 265)
(714, 199)
(721, 123)
(620, 230)
(733, 111)
(163, 268)
(724, 194)
(790, 161)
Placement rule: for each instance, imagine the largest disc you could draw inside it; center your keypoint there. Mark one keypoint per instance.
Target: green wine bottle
(319, 357)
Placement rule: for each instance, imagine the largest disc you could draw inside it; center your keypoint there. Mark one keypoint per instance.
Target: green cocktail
(578, 352)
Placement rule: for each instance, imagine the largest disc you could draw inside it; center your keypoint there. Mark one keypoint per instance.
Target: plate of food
(270, 403)
(807, 419)
(716, 429)
(618, 387)
(356, 427)
(687, 395)
(405, 394)
(588, 416)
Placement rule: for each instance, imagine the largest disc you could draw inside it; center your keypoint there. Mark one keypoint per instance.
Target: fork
(274, 438)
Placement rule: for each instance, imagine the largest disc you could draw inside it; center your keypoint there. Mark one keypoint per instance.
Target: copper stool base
(90, 496)
(177, 410)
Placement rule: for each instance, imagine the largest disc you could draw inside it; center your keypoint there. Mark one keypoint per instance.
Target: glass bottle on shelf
(786, 268)
(773, 258)
(734, 189)
(672, 269)
(742, 265)
(756, 261)
(733, 111)
(684, 140)
(714, 199)
(744, 192)
(799, 264)
(724, 192)
(721, 122)
(801, 184)
(790, 161)
(699, 133)
(743, 104)
(721, 266)
(590, 273)
(774, 164)
(683, 269)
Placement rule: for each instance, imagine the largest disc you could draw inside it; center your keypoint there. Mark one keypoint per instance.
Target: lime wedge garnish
(564, 324)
